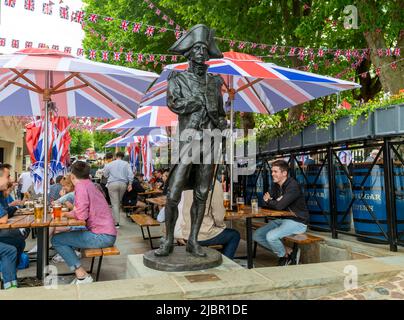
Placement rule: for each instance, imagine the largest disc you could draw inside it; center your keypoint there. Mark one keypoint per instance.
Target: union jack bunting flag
(397, 52)
(241, 45)
(117, 56)
(320, 53)
(149, 31)
(29, 5)
(253, 45)
(55, 47)
(10, 3)
(80, 51)
(177, 34)
(93, 18)
(171, 22)
(151, 5)
(162, 30)
(273, 49)
(232, 43)
(163, 58)
(129, 57)
(2, 42)
(42, 45)
(158, 12)
(388, 52)
(263, 46)
(28, 44)
(105, 55)
(124, 25)
(93, 54)
(64, 12)
(292, 51)
(165, 18)
(140, 57)
(108, 19)
(174, 58)
(79, 16)
(47, 8)
(15, 43)
(136, 27)
(151, 58)
(68, 50)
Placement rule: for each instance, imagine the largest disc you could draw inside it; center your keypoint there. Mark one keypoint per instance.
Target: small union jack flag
(241, 45)
(55, 47)
(149, 31)
(93, 54)
(79, 16)
(124, 25)
(174, 58)
(273, 49)
(108, 19)
(64, 12)
(394, 66)
(380, 52)
(388, 52)
(163, 58)
(151, 57)
(47, 8)
(117, 56)
(263, 46)
(320, 53)
(162, 30)
(80, 51)
(171, 22)
(177, 34)
(10, 3)
(136, 27)
(158, 12)
(232, 43)
(292, 51)
(110, 44)
(301, 53)
(42, 45)
(140, 57)
(129, 57)
(105, 55)
(103, 38)
(151, 5)
(68, 50)
(397, 52)
(165, 18)
(15, 43)
(253, 45)
(337, 53)
(2, 42)
(28, 44)
(93, 18)
(29, 5)
(378, 71)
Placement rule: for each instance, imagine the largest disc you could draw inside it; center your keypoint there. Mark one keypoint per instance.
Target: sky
(37, 27)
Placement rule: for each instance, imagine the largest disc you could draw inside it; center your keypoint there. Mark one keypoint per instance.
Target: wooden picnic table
(150, 193)
(248, 215)
(25, 219)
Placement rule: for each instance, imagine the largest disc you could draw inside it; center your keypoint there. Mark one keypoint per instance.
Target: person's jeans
(270, 235)
(8, 258)
(14, 238)
(228, 238)
(65, 243)
(116, 191)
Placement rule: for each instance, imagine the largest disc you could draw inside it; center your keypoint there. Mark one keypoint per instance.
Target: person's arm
(137, 186)
(3, 215)
(81, 204)
(176, 102)
(292, 193)
(106, 171)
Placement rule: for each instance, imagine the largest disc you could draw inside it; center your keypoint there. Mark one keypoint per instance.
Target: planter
(314, 136)
(272, 146)
(364, 128)
(390, 120)
(290, 142)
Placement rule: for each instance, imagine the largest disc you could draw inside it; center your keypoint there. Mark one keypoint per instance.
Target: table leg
(249, 243)
(43, 252)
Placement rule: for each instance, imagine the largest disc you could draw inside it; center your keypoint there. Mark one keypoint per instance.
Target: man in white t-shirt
(24, 182)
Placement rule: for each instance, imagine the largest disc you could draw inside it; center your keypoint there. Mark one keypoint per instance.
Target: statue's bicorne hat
(197, 34)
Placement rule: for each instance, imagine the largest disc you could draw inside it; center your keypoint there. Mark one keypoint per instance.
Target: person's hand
(267, 197)
(16, 203)
(62, 192)
(69, 205)
(129, 188)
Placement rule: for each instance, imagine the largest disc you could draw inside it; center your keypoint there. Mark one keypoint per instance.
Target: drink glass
(38, 211)
(254, 205)
(57, 211)
(226, 200)
(240, 204)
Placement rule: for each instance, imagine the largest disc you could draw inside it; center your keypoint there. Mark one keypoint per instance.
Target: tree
(81, 140)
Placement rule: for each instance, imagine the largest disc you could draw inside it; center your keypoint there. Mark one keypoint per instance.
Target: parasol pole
(232, 93)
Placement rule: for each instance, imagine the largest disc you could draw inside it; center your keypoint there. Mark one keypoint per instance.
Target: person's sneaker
(295, 256)
(117, 226)
(285, 261)
(33, 250)
(78, 253)
(57, 258)
(88, 279)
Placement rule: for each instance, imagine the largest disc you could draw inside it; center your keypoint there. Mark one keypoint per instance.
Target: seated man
(89, 206)
(213, 229)
(285, 195)
(130, 197)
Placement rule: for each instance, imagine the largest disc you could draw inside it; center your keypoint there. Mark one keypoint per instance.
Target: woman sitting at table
(89, 206)
(213, 229)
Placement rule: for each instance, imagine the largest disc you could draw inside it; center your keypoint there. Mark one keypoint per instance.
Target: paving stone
(397, 295)
(382, 291)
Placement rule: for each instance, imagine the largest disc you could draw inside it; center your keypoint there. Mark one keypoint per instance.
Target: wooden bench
(145, 221)
(100, 253)
(297, 239)
(129, 209)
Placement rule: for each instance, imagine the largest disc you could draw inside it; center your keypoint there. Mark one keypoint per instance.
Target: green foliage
(100, 138)
(83, 139)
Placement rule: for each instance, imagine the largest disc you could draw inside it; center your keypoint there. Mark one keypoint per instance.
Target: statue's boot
(167, 243)
(197, 213)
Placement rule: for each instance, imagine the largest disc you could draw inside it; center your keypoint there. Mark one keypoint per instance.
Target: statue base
(181, 260)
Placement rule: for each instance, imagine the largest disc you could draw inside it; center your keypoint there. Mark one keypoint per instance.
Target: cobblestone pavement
(388, 289)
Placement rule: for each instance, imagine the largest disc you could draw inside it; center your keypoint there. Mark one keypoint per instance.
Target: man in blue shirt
(54, 190)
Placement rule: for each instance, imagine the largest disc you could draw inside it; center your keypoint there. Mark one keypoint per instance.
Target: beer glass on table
(38, 211)
(254, 205)
(57, 210)
(240, 204)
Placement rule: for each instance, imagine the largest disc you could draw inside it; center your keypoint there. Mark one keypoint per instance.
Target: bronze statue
(195, 96)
